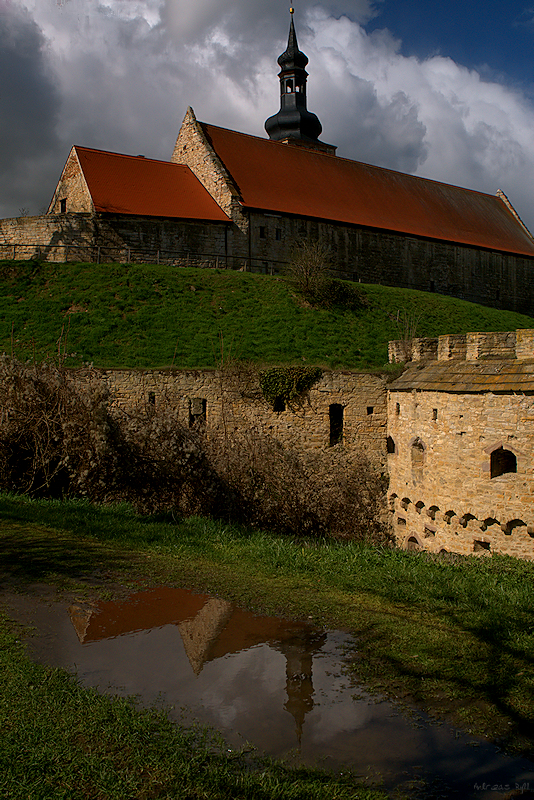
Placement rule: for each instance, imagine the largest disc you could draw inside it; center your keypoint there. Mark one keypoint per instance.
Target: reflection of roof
(151, 608)
(122, 184)
(210, 627)
(289, 180)
(468, 376)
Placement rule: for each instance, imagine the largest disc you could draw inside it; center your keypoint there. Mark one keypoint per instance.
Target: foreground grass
(456, 634)
(61, 741)
(148, 316)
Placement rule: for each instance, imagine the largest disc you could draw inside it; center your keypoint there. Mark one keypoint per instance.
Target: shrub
(287, 385)
(59, 436)
(328, 493)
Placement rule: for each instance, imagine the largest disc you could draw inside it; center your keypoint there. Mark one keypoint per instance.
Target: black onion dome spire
(293, 121)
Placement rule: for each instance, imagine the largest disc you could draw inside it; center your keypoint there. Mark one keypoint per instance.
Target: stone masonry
(224, 399)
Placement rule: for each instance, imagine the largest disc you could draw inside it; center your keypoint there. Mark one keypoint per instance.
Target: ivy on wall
(285, 386)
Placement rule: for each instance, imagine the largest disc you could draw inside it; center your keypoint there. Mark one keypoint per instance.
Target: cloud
(119, 74)
(29, 105)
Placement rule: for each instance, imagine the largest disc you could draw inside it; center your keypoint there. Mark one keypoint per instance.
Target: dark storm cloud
(29, 107)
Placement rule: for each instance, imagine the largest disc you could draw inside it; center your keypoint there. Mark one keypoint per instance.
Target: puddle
(275, 683)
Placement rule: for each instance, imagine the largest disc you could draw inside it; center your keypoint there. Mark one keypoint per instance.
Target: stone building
(460, 444)
(238, 201)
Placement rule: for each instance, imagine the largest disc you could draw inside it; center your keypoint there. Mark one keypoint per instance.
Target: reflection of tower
(299, 652)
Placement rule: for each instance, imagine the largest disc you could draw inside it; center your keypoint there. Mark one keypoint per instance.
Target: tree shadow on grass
(34, 554)
(81, 518)
(484, 685)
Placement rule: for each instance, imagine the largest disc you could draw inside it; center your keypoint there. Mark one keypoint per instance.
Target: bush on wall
(288, 385)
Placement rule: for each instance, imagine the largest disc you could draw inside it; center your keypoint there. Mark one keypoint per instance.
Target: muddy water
(277, 684)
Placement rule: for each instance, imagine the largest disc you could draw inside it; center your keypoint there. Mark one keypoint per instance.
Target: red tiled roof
(122, 184)
(291, 180)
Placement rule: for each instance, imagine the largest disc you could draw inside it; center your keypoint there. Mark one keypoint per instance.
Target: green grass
(148, 316)
(453, 633)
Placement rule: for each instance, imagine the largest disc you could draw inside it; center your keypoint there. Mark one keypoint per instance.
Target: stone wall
(228, 400)
(51, 237)
(97, 238)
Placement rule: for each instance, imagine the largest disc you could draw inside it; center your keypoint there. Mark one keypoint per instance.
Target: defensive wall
(345, 408)
(461, 442)
(455, 431)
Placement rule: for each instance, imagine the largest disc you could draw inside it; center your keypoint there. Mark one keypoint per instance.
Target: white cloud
(119, 74)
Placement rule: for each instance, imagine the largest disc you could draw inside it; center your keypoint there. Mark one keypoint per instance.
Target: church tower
(294, 124)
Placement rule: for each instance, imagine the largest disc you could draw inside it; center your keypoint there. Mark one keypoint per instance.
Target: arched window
(418, 460)
(390, 445)
(502, 461)
(197, 412)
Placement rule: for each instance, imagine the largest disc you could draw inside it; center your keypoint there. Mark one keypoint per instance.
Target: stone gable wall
(73, 189)
(193, 150)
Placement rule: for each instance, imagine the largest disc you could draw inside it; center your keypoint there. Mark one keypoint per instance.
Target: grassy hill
(143, 316)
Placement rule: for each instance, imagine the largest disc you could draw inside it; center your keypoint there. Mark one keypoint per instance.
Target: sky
(442, 90)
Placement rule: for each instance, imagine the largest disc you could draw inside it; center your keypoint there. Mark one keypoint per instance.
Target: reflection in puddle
(209, 629)
(275, 683)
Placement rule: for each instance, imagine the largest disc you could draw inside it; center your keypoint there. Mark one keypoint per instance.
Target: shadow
(493, 675)
(35, 555)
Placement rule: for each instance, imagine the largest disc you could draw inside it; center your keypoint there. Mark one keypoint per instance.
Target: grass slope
(143, 316)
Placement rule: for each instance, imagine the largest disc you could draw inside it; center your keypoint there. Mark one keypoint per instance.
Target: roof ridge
(78, 148)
